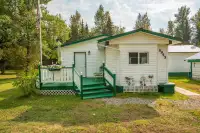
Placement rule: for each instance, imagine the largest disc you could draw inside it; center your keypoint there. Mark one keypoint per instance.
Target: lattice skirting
(57, 92)
(140, 89)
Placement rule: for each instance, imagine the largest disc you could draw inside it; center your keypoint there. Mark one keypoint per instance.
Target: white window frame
(138, 58)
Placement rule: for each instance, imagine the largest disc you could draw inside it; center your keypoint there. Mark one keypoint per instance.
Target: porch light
(89, 52)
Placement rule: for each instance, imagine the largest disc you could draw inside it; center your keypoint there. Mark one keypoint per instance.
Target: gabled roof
(183, 49)
(194, 58)
(83, 40)
(140, 30)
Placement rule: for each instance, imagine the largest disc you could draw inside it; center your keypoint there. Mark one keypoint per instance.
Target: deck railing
(62, 75)
(78, 80)
(109, 78)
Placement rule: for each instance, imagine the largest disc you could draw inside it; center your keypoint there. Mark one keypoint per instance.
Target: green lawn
(70, 114)
(186, 83)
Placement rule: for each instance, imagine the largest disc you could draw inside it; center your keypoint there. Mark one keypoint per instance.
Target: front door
(80, 62)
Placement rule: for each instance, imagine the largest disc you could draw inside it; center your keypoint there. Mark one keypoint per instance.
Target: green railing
(109, 78)
(78, 81)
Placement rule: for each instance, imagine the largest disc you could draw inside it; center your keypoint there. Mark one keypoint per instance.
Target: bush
(26, 84)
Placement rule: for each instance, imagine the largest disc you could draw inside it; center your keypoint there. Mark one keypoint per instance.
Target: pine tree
(86, 30)
(138, 23)
(75, 26)
(161, 30)
(196, 23)
(82, 30)
(183, 29)
(109, 24)
(99, 20)
(143, 21)
(170, 28)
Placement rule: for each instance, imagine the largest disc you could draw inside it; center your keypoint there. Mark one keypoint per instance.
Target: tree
(104, 24)
(162, 31)
(143, 21)
(99, 21)
(170, 28)
(118, 29)
(54, 32)
(109, 24)
(183, 29)
(86, 30)
(75, 24)
(19, 41)
(196, 22)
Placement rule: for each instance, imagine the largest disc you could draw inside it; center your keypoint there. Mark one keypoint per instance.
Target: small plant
(54, 67)
(26, 84)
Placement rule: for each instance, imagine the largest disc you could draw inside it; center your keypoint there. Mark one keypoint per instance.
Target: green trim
(82, 40)
(175, 74)
(57, 86)
(81, 79)
(73, 76)
(39, 75)
(114, 79)
(194, 60)
(85, 62)
(103, 73)
(114, 84)
(191, 70)
(109, 72)
(140, 30)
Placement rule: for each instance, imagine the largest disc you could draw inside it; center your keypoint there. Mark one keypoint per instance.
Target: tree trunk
(3, 67)
(27, 60)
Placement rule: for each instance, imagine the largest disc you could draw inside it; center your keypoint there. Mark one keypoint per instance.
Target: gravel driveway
(191, 103)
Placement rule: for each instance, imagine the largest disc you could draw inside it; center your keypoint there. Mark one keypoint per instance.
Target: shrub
(27, 83)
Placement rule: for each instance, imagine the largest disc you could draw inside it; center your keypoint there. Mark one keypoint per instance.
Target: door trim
(85, 62)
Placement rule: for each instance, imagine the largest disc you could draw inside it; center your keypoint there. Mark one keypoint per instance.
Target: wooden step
(93, 84)
(98, 96)
(90, 92)
(94, 87)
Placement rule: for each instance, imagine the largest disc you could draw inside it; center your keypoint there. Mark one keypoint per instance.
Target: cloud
(123, 12)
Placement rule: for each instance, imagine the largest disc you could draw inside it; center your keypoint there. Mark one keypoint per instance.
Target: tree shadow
(71, 110)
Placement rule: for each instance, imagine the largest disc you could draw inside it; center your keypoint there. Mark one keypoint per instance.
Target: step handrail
(80, 80)
(105, 69)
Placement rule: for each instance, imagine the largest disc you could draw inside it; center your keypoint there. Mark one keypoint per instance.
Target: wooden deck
(69, 85)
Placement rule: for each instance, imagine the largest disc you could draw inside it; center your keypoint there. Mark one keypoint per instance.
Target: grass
(70, 114)
(186, 83)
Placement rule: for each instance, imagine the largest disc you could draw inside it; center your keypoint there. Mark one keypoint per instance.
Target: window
(133, 58)
(138, 58)
(143, 58)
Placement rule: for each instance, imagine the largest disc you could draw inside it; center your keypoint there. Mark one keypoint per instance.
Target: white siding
(195, 70)
(162, 64)
(137, 70)
(93, 61)
(177, 62)
(112, 61)
(140, 38)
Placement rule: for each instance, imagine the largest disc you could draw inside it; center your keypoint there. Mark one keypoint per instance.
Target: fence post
(39, 75)
(81, 84)
(73, 76)
(114, 83)
(104, 73)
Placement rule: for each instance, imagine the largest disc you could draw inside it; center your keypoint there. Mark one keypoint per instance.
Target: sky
(123, 12)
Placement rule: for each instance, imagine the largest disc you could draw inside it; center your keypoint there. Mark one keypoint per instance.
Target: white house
(139, 58)
(194, 62)
(177, 65)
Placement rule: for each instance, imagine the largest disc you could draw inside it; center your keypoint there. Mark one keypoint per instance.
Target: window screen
(133, 58)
